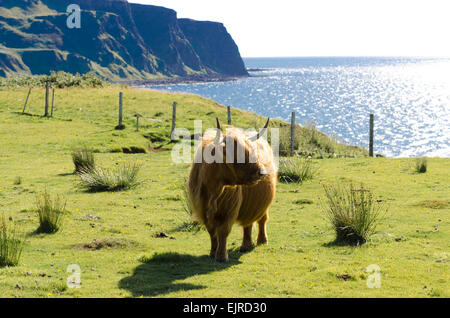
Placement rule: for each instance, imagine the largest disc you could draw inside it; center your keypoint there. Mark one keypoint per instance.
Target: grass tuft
(188, 226)
(51, 213)
(121, 178)
(295, 170)
(83, 159)
(353, 213)
(17, 180)
(421, 165)
(11, 245)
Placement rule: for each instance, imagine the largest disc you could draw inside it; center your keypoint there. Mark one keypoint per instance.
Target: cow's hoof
(246, 248)
(262, 242)
(221, 258)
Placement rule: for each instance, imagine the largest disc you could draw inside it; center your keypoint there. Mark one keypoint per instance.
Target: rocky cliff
(117, 40)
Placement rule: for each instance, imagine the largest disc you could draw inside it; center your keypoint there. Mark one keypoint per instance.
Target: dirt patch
(163, 235)
(98, 244)
(90, 217)
(133, 150)
(344, 277)
(435, 204)
(156, 150)
(155, 137)
(303, 201)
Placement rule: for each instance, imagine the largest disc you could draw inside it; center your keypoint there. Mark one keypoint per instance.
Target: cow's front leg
(262, 235)
(213, 236)
(247, 244)
(222, 234)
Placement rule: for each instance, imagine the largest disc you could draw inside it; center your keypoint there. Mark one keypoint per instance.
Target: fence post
(137, 121)
(372, 117)
(174, 119)
(292, 133)
(26, 101)
(120, 126)
(46, 99)
(53, 100)
(229, 115)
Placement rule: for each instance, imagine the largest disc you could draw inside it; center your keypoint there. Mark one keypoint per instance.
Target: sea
(409, 97)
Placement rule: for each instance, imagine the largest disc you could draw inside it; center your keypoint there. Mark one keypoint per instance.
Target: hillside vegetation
(140, 242)
(116, 40)
(54, 80)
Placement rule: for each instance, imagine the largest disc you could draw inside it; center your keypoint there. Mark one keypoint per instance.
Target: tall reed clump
(11, 244)
(295, 170)
(421, 165)
(353, 213)
(83, 159)
(121, 178)
(191, 225)
(51, 213)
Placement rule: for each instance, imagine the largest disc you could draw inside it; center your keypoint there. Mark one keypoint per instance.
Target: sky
(267, 28)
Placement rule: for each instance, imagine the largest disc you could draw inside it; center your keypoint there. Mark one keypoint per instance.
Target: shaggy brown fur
(223, 194)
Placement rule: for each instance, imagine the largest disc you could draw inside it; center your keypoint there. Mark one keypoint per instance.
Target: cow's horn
(258, 135)
(218, 124)
(218, 138)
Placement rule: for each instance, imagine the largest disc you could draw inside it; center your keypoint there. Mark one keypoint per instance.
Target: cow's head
(242, 161)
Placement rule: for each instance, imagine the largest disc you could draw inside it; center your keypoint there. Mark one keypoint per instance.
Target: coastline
(193, 79)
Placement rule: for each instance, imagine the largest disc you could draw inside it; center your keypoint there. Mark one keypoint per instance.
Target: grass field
(113, 236)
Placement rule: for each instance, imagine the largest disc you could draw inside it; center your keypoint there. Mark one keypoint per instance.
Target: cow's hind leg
(222, 233)
(213, 236)
(262, 235)
(247, 244)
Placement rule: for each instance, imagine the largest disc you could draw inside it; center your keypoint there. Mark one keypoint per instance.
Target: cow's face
(239, 155)
(242, 161)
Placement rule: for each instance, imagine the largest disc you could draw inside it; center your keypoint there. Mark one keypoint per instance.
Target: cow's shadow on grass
(158, 274)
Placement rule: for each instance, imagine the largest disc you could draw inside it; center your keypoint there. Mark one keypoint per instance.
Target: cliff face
(160, 31)
(116, 40)
(214, 45)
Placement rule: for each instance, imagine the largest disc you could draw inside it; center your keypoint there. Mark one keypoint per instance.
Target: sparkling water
(410, 98)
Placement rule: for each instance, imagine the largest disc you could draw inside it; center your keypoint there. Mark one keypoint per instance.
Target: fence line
(371, 134)
(26, 101)
(46, 99)
(53, 100)
(174, 119)
(292, 133)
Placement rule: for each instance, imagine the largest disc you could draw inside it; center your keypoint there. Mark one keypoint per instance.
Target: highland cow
(238, 186)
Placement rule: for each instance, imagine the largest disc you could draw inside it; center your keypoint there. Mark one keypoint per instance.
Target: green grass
(410, 246)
